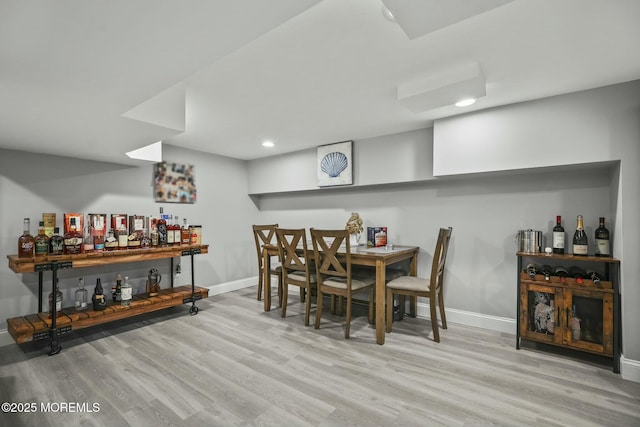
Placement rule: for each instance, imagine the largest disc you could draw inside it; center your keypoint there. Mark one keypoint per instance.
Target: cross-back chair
(265, 237)
(431, 288)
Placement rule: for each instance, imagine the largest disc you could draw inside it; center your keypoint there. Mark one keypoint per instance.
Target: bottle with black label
(56, 243)
(602, 240)
(558, 236)
(162, 229)
(580, 241)
(98, 299)
(116, 289)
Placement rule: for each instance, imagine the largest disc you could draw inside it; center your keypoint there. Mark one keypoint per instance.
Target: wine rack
(580, 314)
(41, 325)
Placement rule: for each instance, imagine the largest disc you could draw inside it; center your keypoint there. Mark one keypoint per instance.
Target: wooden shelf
(570, 257)
(30, 265)
(37, 326)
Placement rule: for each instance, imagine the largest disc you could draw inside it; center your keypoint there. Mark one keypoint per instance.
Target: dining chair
(265, 238)
(431, 288)
(332, 253)
(297, 266)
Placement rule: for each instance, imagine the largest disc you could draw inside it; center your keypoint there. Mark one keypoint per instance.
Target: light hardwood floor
(233, 364)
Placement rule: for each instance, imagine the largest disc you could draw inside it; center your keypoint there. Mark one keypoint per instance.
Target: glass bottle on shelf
(116, 289)
(58, 301)
(170, 235)
(185, 234)
(177, 231)
(161, 226)
(26, 241)
(73, 239)
(580, 241)
(56, 243)
(41, 242)
(558, 236)
(111, 241)
(123, 235)
(98, 299)
(594, 276)
(145, 241)
(602, 240)
(127, 292)
(81, 296)
(88, 245)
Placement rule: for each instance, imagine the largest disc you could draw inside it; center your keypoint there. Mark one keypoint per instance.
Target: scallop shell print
(334, 163)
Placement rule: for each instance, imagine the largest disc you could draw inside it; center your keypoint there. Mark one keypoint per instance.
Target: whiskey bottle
(185, 234)
(81, 296)
(123, 235)
(56, 243)
(127, 292)
(41, 242)
(58, 302)
(88, 245)
(73, 239)
(98, 299)
(162, 229)
(111, 241)
(177, 232)
(26, 241)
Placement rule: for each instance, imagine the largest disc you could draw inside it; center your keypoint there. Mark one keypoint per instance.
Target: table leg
(380, 301)
(266, 263)
(413, 271)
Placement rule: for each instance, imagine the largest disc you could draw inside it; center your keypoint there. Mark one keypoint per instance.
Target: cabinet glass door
(540, 309)
(589, 320)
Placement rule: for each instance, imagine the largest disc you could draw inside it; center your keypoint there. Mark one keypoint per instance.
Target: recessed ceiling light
(465, 102)
(268, 144)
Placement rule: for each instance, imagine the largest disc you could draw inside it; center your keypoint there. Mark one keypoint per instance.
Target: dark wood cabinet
(580, 314)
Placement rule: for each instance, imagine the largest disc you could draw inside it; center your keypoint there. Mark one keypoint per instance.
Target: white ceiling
(222, 76)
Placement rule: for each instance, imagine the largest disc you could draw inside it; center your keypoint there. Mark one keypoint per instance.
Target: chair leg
(389, 309)
(434, 320)
(319, 308)
(413, 306)
(441, 304)
(285, 296)
(302, 294)
(260, 276)
(346, 331)
(280, 289)
(372, 298)
(308, 305)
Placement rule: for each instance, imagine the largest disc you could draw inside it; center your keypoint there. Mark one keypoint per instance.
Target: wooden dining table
(379, 258)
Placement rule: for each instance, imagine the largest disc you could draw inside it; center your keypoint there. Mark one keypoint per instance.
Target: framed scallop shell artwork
(335, 164)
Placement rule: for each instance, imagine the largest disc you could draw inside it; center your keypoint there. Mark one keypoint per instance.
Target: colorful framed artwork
(174, 183)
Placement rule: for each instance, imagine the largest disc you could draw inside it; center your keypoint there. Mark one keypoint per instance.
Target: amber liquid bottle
(185, 233)
(73, 239)
(26, 242)
(41, 242)
(56, 243)
(162, 229)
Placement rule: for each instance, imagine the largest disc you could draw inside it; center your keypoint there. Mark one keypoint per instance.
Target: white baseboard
(629, 368)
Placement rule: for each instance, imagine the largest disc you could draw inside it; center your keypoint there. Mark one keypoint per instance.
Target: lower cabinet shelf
(37, 326)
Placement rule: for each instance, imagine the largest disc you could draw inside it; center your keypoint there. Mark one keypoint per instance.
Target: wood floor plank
(234, 364)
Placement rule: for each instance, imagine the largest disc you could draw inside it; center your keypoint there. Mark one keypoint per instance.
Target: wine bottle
(546, 270)
(558, 237)
(594, 276)
(98, 299)
(126, 292)
(26, 241)
(580, 241)
(578, 274)
(562, 273)
(602, 240)
(532, 270)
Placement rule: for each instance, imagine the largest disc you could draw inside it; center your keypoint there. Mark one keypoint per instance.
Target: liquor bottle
(578, 274)
(546, 270)
(123, 235)
(170, 235)
(602, 240)
(558, 237)
(56, 243)
(580, 241)
(562, 273)
(41, 242)
(26, 242)
(81, 296)
(58, 301)
(145, 241)
(532, 270)
(185, 234)
(116, 289)
(594, 276)
(162, 229)
(111, 241)
(73, 239)
(98, 299)
(127, 292)
(98, 239)
(88, 245)
(177, 232)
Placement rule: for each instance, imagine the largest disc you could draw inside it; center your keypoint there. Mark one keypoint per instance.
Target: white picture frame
(335, 164)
